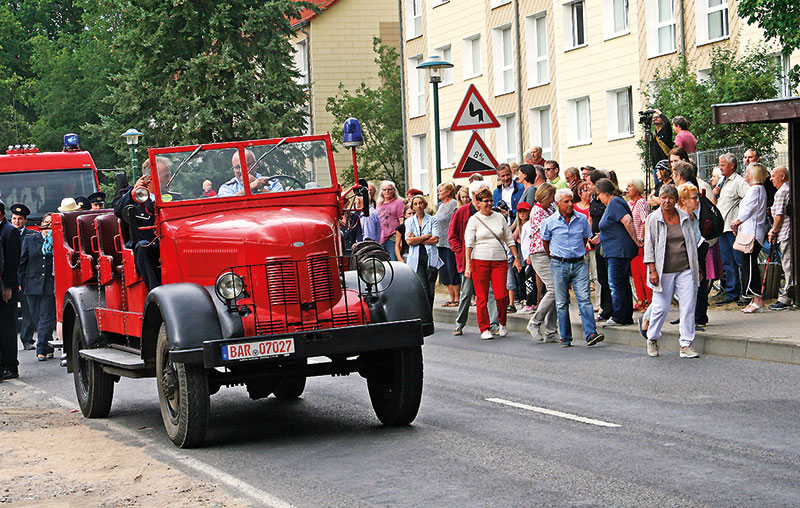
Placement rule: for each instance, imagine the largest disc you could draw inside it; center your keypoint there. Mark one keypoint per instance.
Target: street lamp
(132, 138)
(433, 66)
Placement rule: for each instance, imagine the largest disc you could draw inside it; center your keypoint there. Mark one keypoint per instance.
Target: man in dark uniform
(146, 252)
(36, 278)
(97, 200)
(9, 289)
(83, 202)
(19, 216)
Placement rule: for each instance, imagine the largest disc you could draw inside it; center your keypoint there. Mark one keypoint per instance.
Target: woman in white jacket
(752, 221)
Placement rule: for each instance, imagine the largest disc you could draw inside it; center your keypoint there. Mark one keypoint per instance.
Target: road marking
(234, 483)
(543, 410)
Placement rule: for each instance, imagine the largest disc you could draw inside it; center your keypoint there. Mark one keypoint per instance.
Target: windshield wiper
(258, 161)
(180, 166)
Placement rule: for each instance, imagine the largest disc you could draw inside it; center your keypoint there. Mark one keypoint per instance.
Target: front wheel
(290, 387)
(395, 385)
(183, 395)
(94, 388)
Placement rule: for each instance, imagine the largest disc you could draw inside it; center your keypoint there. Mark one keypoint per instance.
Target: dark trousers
(751, 273)
(731, 263)
(43, 310)
(619, 278)
(145, 255)
(28, 325)
(606, 307)
(8, 335)
(701, 306)
(531, 291)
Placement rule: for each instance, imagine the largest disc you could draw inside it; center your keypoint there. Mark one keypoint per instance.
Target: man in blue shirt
(258, 183)
(564, 235)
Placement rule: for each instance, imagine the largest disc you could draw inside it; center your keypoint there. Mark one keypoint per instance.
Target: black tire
(183, 395)
(395, 386)
(290, 387)
(93, 387)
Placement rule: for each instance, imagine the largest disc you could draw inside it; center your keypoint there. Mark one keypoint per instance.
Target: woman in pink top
(639, 210)
(390, 211)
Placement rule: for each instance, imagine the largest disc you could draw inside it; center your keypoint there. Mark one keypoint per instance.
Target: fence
(708, 159)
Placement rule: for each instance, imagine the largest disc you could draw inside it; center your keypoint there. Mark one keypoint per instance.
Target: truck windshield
(42, 191)
(209, 173)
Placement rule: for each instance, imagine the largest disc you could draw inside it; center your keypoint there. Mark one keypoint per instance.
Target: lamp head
(131, 136)
(352, 133)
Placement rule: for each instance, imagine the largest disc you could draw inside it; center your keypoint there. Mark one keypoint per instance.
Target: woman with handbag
(750, 229)
(486, 238)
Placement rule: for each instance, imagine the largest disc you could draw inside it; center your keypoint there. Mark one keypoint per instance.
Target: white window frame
(703, 13)
(703, 74)
(610, 31)
(507, 138)
(571, 33)
(498, 3)
(537, 137)
(472, 45)
(784, 85)
(413, 19)
(445, 53)
(437, 3)
(615, 130)
(419, 162)
(503, 59)
(653, 25)
(416, 87)
(447, 148)
(301, 61)
(533, 48)
(574, 137)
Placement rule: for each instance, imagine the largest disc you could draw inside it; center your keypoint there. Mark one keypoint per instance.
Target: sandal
(752, 309)
(41, 358)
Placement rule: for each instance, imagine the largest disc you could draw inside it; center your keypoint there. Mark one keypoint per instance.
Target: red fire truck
(254, 285)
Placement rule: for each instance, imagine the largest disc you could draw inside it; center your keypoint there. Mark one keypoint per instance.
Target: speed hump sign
(477, 159)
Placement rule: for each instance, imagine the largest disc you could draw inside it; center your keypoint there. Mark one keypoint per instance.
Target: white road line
(232, 482)
(551, 412)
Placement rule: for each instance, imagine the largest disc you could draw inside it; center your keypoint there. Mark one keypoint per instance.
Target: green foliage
(780, 20)
(753, 76)
(380, 113)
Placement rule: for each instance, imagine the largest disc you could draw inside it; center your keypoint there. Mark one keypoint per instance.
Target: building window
(712, 20)
(447, 55)
(783, 84)
(537, 50)
(447, 148)
(413, 18)
(615, 18)
(301, 61)
(703, 75)
(498, 3)
(419, 162)
(579, 122)
(507, 139)
(437, 3)
(619, 113)
(574, 25)
(416, 87)
(660, 27)
(503, 61)
(472, 56)
(540, 130)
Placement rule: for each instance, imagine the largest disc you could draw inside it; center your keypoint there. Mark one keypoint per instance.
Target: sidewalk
(767, 336)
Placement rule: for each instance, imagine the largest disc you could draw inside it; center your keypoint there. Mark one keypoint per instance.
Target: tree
(779, 19)
(753, 76)
(380, 113)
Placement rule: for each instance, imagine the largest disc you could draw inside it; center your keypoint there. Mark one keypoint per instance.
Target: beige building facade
(568, 76)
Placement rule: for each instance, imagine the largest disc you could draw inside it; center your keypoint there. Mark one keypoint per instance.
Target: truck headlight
(371, 270)
(229, 286)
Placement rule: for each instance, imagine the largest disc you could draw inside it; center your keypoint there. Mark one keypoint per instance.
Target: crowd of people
(536, 238)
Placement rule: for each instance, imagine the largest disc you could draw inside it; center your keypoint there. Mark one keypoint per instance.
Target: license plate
(260, 349)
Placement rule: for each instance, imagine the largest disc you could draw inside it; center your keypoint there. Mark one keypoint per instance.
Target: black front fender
(79, 305)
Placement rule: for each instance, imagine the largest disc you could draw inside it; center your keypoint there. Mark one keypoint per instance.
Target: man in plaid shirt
(781, 231)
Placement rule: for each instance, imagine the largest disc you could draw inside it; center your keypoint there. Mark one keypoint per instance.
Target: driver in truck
(258, 183)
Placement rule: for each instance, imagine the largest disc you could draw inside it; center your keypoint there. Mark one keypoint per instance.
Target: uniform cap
(20, 209)
(83, 202)
(97, 197)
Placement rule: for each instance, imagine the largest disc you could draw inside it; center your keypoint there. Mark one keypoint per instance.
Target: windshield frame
(241, 146)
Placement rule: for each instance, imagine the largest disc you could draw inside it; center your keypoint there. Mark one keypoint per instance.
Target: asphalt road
(660, 432)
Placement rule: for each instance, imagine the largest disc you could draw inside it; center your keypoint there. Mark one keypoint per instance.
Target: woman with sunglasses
(38, 287)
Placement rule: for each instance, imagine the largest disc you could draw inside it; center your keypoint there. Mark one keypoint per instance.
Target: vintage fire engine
(254, 285)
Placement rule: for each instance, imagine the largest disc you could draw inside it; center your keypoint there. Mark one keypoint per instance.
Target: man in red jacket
(455, 236)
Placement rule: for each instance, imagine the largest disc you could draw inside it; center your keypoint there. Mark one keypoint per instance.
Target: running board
(119, 363)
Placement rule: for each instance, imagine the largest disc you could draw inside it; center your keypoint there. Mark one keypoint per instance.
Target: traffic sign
(476, 159)
(474, 113)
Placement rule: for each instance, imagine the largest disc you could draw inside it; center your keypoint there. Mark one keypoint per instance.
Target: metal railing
(707, 160)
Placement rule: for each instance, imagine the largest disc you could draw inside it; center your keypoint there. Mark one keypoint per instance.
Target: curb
(750, 348)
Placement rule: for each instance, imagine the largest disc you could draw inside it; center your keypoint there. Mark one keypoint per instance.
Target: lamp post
(132, 138)
(433, 66)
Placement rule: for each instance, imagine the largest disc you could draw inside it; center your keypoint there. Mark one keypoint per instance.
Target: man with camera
(660, 142)
(507, 192)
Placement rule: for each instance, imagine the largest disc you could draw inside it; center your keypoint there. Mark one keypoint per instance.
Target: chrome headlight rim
(371, 270)
(229, 286)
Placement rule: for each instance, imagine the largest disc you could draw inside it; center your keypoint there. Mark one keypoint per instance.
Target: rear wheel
(94, 388)
(395, 385)
(183, 395)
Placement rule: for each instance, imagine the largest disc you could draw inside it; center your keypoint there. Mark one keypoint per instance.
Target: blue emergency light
(352, 133)
(71, 142)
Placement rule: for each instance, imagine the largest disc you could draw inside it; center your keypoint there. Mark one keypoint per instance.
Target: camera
(502, 205)
(646, 118)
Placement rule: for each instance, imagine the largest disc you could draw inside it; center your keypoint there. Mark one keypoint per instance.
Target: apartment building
(335, 46)
(566, 75)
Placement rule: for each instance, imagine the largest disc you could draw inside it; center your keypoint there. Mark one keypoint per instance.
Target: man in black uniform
(9, 289)
(19, 216)
(661, 141)
(83, 202)
(97, 200)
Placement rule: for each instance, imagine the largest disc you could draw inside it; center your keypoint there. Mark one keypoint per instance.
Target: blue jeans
(577, 274)
(619, 276)
(388, 246)
(731, 263)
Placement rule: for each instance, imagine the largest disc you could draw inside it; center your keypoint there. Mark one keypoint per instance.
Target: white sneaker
(688, 352)
(487, 335)
(652, 347)
(526, 310)
(502, 331)
(533, 328)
